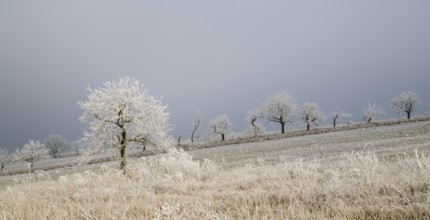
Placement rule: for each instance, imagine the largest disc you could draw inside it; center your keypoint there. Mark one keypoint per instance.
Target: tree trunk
(192, 137)
(282, 127)
(308, 127)
(334, 121)
(123, 153)
(222, 137)
(409, 114)
(2, 166)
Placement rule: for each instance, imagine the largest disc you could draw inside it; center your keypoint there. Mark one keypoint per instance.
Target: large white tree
(123, 112)
(406, 102)
(55, 144)
(371, 112)
(338, 113)
(31, 152)
(280, 108)
(311, 114)
(4, 158)
(220, 125)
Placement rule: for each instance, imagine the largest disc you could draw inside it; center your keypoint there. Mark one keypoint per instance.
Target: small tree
(220, 125)
(252, 117)
(124, 112)
(31, 152)
(55, 145)
(196, 124)
(279, 108)
(338, 113)
(406, 102)
(371, 112)
(4, 158)
(311, 114)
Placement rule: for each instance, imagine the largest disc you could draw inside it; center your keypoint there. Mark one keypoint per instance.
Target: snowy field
(385, 141)
(369, 173)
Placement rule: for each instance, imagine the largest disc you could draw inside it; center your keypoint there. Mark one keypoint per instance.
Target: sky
(218, 57)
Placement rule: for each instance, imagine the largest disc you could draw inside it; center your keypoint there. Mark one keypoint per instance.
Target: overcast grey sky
(216, 56)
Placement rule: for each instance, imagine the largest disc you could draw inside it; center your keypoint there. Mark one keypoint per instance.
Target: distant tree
(406, 102)
(220, 125)
(31, 152)
(251, 118)
(279, 108)
(311, 114)
(55, 144)
(196, 124)
(338, 113)
(371, 112)
(179, 141)
(4, 158)
(124, 112)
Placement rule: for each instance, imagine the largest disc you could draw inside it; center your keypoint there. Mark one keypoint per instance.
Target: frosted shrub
(175, 163)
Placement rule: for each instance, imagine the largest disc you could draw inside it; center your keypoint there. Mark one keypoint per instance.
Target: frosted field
(385, 141)
(371, 173)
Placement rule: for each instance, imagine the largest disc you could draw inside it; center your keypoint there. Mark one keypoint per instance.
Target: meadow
(368, 173)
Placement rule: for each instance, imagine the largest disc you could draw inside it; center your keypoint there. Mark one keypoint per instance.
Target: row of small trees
(282, 108)
(34, 150)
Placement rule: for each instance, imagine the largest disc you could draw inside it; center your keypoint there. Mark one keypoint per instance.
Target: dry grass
(172, 186)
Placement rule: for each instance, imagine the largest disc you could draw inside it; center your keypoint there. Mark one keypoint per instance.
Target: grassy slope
(306, 177)
(385, 140)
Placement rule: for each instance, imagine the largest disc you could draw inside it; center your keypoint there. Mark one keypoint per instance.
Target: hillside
(318, 142)
(366, 173)
(385, 140)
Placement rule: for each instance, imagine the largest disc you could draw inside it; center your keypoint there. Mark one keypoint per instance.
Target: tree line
(123, 113)
(282, 108)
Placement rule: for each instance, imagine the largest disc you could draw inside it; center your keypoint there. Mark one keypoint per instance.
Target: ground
(367, 173)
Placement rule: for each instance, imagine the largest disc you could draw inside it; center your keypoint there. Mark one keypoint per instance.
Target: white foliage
(371, 112)
(4, 158)
(220, 125)
(280, 108)
(31, 152)
(406, 102)
(311, 114)
(338, 113)
(256, 127)
(55, 144)
(124, 106)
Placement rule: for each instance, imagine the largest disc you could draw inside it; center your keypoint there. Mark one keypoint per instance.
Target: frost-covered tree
(196, 124)
(31, 152)
(123, 112)
(55, 144)
(279, 108)
(220, 125)
(406, 102)
(251, 118)
(311, 114)
(338, 113)
(4, 158)
(371, 112)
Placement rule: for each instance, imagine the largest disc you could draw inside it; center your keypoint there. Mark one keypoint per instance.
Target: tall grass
(173, 186)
